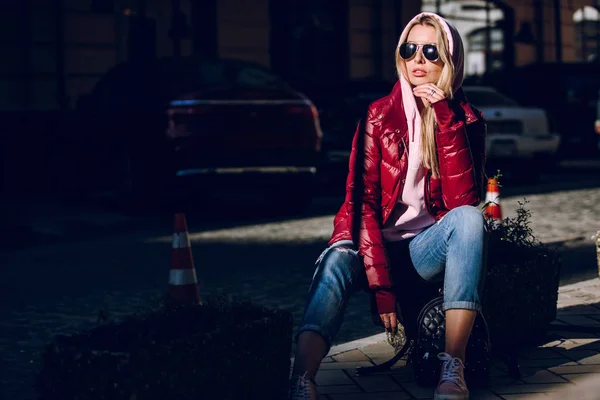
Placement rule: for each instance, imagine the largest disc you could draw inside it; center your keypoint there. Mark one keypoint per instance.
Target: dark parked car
(340, 107)
(199, 126)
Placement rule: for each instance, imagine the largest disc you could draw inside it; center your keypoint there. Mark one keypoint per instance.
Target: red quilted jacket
(460, 139)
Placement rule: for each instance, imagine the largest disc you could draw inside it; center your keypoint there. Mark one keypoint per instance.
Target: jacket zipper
(427, 193)
(395, 200)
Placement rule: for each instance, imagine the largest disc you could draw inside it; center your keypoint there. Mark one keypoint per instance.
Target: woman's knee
(467, 220)
(338, 263)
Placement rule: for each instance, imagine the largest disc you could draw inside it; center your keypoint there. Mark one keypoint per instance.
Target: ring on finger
(432, 92)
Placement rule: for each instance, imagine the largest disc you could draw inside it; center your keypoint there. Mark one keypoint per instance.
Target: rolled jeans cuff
(462, 305)
(317, 329)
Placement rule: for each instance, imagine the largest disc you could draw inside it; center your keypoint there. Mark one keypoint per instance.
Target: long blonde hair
(428, 121)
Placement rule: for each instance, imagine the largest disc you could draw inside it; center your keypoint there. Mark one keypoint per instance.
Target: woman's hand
(389, 321)
(429, 92)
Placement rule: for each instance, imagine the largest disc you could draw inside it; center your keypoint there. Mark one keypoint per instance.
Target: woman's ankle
(456, 354)
(311, 348)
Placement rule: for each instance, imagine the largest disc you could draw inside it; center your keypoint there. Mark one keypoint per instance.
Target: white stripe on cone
(181, 240)
(492, 197)
(180, 277)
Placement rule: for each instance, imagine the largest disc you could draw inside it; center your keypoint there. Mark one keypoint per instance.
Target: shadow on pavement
(60, 288)
(71, 284)
(566, 357)
(579, 262)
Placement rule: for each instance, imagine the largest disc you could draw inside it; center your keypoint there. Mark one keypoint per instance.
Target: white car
(515, 134)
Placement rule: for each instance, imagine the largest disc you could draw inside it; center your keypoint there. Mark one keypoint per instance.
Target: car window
(189, 77)
(485, 98)
(204, 75)
(130, 83)
(255, 77)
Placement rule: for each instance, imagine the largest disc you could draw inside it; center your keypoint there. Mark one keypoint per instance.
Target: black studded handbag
(421, 332)
(430, 340)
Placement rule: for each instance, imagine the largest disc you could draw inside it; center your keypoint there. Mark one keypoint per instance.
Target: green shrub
(521, 292)
(217, 350)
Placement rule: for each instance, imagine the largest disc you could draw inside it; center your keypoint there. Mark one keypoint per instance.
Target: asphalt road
(62, 264)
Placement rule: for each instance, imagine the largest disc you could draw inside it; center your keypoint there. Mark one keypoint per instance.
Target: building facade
(541, 32)
(56, 50)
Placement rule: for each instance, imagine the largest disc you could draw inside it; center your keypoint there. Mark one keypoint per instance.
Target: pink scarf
(410, 216)
(455, 45)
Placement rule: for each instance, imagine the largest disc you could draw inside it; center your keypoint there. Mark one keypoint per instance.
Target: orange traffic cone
(183, 284)
(492, 209)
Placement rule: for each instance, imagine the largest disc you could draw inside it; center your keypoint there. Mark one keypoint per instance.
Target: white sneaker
(302, 388)
(452, 384)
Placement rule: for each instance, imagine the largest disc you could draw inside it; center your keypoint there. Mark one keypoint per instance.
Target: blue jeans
(453, 249)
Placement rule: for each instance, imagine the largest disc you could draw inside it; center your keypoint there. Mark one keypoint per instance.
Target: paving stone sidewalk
(567, 366)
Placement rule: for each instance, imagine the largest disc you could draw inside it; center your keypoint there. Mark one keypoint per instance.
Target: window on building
(587, 34)
(478, 54)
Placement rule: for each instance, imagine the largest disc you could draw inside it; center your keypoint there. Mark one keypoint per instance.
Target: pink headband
(443, 22)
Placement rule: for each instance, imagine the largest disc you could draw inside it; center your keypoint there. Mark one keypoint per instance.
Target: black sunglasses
(409, 49)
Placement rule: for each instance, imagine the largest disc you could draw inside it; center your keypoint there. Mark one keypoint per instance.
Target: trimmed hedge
(521, 292)
(521, 289)
(222, 350)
